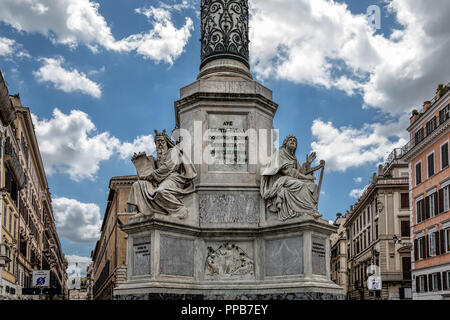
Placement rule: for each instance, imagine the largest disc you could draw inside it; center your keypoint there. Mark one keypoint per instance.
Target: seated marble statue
(289, 188)
(162, 191)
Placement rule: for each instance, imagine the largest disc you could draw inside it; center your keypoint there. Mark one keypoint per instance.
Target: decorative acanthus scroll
(224, 28)
(228, 260)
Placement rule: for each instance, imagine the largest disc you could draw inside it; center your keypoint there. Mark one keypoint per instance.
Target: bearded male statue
(163, 189)
(289, 188)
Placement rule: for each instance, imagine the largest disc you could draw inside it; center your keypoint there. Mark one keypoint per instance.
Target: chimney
(380, 169)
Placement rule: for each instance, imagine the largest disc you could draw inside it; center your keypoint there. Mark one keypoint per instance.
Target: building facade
(338, 245)
(7, 241)
(379, 216)
(28, 225)
(109, 267)
(428, 156)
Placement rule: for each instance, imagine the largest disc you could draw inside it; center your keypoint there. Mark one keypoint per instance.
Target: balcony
(4, 254)
(13, 161)
(396, 154)
(416, 142)
(7, 112)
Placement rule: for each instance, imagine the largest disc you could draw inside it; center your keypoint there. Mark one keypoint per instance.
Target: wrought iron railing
(412, 143)
(15, 164)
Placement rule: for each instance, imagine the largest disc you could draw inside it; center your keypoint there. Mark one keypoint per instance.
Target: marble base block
(172, 259)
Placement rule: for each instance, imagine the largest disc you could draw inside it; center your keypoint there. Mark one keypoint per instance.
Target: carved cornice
(425, 143)
(224, 30)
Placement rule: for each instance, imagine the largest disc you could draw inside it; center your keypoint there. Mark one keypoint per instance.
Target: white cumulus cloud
(322, 43)
(66, 80)
(358, 179)
(70, 144)
(141, 143)
(347, 147)
(77, 221)
(6, 46)
(356, 193)
(162, 43)
(74, 22)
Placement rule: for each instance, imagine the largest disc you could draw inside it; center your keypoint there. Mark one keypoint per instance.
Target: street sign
(374, 283)
(41, 278)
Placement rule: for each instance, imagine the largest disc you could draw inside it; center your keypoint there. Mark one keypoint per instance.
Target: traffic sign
(41, 278)
(374, 283)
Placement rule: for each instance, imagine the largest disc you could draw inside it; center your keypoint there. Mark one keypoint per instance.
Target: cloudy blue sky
(99, 76)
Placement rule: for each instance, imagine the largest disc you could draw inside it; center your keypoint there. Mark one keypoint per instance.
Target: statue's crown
(288, 137)
(160, 134)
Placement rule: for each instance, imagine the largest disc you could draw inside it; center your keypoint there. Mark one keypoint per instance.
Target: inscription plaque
(141, 256)
(318, 256)
(227, 142)
(176, 256)
(284, 256)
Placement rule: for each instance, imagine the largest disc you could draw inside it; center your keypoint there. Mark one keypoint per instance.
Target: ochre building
(109, 268)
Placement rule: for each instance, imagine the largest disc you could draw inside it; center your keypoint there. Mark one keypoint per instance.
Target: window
(432, 244)
(419, 136)
(376, 230)
(418, 173)
(419, 211)
(431, 125)
(5, 211)
(444, 196)
(419, 248)
(406, 268)
(444, 114)
(405, 228)
(435, 281)
(368, 234)
(404, 200)
(431, 206)
(444, 155)
(447, 236)
(430, 163)
(10, 220)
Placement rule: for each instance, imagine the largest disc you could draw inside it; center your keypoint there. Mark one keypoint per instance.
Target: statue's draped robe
(286, 192)
(174, 181)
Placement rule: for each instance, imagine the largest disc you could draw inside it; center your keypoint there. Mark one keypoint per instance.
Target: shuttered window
(433, 244)
(430, 163)
(419, 173)
(444, 196)
(420, 216)
(444, 155)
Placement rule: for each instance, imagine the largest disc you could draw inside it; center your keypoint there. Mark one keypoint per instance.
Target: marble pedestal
(218, 253)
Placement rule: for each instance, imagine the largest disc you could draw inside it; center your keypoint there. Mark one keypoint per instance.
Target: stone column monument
(221, 214)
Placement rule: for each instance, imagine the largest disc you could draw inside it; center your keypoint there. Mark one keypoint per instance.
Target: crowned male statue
(289, 188)
(163, 188)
